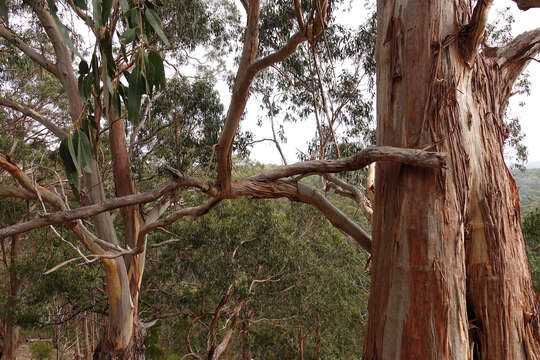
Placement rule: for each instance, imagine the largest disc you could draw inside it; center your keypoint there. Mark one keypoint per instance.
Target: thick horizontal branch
(29, 51)
(527, 4)
(471, 35)
(61, 217)
(301, 193)
(29, 185)
(16, 192)
(56, 130)
(279, 55)
(515, 56)
(413, 157)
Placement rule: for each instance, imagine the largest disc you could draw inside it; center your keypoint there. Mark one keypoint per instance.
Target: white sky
(298, 135)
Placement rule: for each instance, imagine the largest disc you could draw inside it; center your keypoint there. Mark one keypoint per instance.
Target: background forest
(264, 278)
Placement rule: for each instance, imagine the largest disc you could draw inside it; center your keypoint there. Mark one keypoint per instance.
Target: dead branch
(412, 157)
(56, 130)
(14, 40)
(354, 192)
(472, 34)
(66, 216)
(88, 259)
(16, 192)
(527, 4)
(516, 55)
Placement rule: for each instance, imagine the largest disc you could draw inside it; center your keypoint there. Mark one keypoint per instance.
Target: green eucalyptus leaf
(95, 71)
(83, 67)
(124, 5)
(4, 10)
(115, 98)
(128, 36)
(106, 6)
(157, 73)
(69, 166)
(96, 12)
(154, 21)
(73, 153)
(84, 151)
(135, 91)
(81, 4)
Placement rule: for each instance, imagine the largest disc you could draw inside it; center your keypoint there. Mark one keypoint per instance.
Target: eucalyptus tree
(450, 275)
(432, 225)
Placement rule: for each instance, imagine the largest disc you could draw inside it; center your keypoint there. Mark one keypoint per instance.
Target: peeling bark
(450, 276)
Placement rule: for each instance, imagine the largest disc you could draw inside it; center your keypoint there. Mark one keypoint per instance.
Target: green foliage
(531, 233)
(528, 181)
(314, 277)
(154, 352)
(41, 351)
(75, 151)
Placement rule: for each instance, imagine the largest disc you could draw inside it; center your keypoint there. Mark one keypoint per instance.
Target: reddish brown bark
(450, 277)
(10, 330)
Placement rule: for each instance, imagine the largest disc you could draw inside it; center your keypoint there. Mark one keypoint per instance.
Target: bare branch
(279, 55)
(63, 216)
(63, 59)
(56, 130)
(299, 15)
(356, 194)
(527, 4)
(16, 192)
(472, 34)
(248, 68)
(49, 197)
(227, 338)
(88, 259)
(239, 96)
(166, 242)
(193, 212)
(28, 51)
(334, 215)
(412, 157)
(516, 55)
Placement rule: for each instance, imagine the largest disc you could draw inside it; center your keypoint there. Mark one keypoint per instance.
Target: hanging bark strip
(449, 274)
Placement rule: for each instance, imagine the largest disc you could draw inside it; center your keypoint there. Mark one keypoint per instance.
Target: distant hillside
(533, 164)
(529, 189)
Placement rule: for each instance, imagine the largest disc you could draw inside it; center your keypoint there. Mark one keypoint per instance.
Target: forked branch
(36, 57)
(471, 35)
(56, 130)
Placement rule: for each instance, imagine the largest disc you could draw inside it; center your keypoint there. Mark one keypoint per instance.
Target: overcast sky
(299, 134)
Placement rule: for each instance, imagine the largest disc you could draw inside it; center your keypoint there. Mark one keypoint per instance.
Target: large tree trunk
(450, 276)
(10, 329)
(11, 341)
(108, 349)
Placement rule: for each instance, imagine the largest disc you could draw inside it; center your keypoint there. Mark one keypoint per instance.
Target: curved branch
(527, 4)
(248, 68)
(239, 96)
(56, 130)
(413, 157)
(64, 216)
(472, 34)
(63, 59)
(87, 238)
(516, 55)
(16, 192)
(28, 51)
